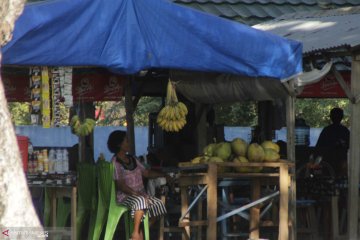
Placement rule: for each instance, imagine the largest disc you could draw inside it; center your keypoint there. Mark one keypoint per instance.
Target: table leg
(284, 203)
(335, 217)
(73, 213)
(200, 216)
(53, 207)
(255, 211)
(211, 202)
(162, 221)
(184, 207)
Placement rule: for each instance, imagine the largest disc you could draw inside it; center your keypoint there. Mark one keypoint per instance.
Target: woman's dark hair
(114, 141)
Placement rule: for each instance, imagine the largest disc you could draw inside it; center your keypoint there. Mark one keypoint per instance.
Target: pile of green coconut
(238, 150)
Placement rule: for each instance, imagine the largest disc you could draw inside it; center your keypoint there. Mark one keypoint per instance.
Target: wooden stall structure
(330, 35)
(130, 52)
(208, 176)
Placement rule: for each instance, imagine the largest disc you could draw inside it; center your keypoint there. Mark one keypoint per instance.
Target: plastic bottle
(35, 161)
(58, 164)
(40, 162)
(31, 164)
(45, 160)
(52, 159)
(65, 159)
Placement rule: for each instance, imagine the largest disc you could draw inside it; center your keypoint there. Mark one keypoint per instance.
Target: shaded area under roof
(330, 31)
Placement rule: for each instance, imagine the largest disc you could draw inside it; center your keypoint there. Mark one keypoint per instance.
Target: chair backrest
(86, 185)
(105, 181)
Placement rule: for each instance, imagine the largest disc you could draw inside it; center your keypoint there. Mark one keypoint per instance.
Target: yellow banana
(162, 112)
(168, 92)
(183, 107)
(162, 123)
(171, 127)
(170, 113)
(76, 124)
(177, 111)
(159, 119)
(182, 110)
(74, 120)
(167, 126)
(176, 126)
(182, 122)
(167, 112)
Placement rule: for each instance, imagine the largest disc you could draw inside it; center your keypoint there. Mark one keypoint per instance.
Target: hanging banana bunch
(172, 117)
(82, 128)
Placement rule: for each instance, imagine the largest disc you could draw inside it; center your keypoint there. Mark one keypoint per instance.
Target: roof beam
(343, 84)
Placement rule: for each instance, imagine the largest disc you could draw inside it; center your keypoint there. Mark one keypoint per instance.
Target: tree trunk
(10, 10)
(16, 208)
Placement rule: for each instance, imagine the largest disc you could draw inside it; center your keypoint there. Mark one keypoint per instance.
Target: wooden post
(290, 123)
(73, 212)
(201, 130)
(255, 211)
(184, 207)
(129, 108)
(211, 202)
(266, 120)
(87, 110)
(353, 190)
(200, 217)
(284, 203)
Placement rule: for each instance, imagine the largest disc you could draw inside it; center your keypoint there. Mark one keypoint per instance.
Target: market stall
(212, 179)
(338, 31)
(149, 35)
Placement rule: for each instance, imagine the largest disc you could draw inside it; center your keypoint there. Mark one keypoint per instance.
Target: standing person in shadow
(333, 143)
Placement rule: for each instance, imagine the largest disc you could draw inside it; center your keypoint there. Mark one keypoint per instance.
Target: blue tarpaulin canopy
(127, 36)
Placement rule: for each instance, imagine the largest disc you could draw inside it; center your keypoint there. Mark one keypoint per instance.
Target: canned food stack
(35, 86)
(56, 95)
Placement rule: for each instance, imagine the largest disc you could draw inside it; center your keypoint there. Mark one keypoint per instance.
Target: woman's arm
(121, 185)
(153, 174)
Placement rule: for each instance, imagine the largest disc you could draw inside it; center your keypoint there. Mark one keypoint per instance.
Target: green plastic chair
(116, 211)
(63, 210)
(86, 197)
(104, 180)
(47, 208)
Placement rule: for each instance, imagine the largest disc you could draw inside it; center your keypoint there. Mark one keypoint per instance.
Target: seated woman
(128, 176)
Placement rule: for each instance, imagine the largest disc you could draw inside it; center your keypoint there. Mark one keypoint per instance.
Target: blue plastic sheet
(127, 36)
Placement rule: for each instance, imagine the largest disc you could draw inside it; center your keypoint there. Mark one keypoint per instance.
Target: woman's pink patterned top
(132, 178)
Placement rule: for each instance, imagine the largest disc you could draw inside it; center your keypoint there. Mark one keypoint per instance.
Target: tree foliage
(316, 111)
(115, 115)
(236, 114)
(21, 113)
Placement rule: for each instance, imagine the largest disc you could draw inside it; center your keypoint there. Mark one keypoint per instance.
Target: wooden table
(57, 192)
(191, 175)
